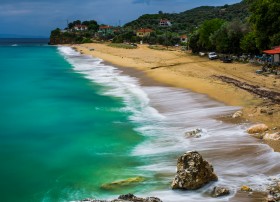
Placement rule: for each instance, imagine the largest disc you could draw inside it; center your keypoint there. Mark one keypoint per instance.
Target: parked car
(226, 59)
(212, 56)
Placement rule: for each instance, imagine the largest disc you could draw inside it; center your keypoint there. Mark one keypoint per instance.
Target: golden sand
(184, 70)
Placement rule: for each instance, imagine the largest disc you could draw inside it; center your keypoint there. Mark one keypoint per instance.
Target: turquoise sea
(60, 138)
(71, 123)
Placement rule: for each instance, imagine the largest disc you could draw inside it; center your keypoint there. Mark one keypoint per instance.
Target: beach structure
(80, 27)
(184, 38)
(275, 52)
(165, 23)
(144, 32)
(105, 30)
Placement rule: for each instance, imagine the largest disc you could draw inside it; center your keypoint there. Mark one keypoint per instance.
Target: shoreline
(183, 70)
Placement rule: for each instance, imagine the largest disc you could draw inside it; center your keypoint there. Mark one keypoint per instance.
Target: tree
(266, 22)
(248, 43)
(208, 28)
(220, 40)
(92, 25)
(193, 43)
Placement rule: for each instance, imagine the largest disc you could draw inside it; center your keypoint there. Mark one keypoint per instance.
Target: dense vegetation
(186, 22)
(258, 32)
(70, 35)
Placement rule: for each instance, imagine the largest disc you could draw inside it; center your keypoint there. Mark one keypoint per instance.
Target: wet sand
(199, 74)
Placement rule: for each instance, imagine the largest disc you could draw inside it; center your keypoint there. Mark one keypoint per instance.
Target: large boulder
(258, 128)
(193, 172)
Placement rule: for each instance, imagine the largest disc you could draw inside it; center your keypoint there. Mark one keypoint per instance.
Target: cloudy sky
(38, 17)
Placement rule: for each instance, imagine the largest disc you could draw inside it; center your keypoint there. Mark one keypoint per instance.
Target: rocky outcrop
(258, 128)
(127, 198)
(121, 183)
(193, 172)
(220, 191)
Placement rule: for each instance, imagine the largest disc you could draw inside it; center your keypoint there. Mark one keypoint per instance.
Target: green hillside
(186, 22)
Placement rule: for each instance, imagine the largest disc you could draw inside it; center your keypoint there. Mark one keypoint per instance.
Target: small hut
(275, 52)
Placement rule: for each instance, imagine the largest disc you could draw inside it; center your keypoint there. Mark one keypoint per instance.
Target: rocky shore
(194, 172)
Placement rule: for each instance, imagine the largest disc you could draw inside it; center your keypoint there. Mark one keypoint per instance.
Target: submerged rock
(193, 172)
(194, 133)
(258, 128)
(126, 198)
(131, 197)
(121, 183)
(220, 191)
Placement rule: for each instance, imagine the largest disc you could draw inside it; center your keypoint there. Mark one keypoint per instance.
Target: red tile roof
(145, 30)
(276, 50)
(184, 36)
(105, 27)
(164, 20)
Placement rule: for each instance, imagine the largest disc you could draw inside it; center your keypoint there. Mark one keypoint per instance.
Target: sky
(39, 17)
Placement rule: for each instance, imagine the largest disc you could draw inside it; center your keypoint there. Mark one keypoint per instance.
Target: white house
(80, 27)
(164, 23)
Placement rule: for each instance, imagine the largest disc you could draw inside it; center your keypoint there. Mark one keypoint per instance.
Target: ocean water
(72, 123)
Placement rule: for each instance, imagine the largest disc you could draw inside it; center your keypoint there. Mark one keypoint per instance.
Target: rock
(273, 190)
(152, 199)
(131, 197)
(193, 172)
(121, 183)
(237, 114)
(258, 135)
(127, 198)
(258, 128)
(274, 136)
(220, 191)
(245, 188)
(194, 133)
(270, 198)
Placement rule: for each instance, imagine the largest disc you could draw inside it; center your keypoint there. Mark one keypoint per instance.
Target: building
(165, 23)
(105, 30)
(276, 54)
(80, 27)
(144, 32)
(184, 38)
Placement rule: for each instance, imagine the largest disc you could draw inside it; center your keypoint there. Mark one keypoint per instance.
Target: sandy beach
(184, 70)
